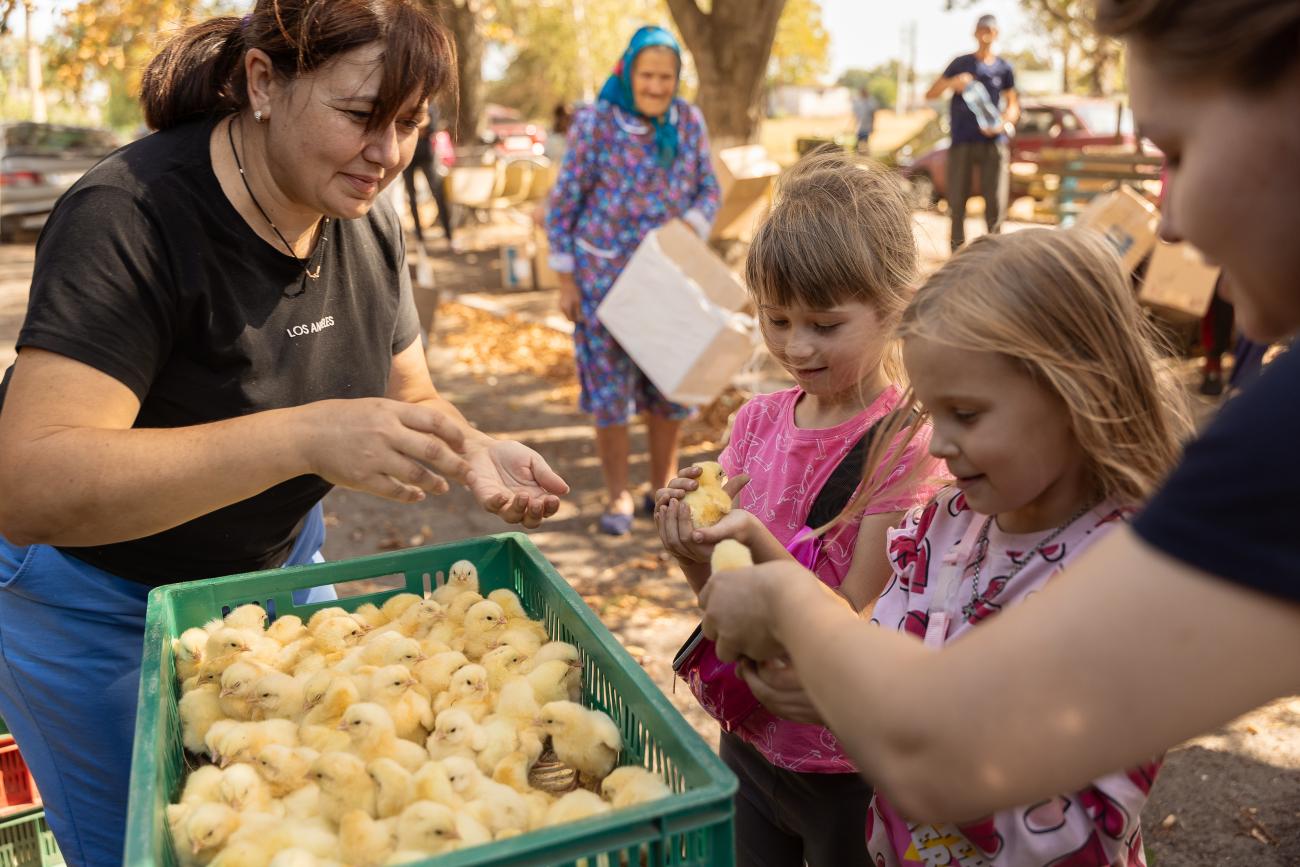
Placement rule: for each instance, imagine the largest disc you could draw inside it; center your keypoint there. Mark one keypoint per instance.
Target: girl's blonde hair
(1057, 303)
(840, 229)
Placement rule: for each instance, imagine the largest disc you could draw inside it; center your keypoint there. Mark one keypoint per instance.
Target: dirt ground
(1229, 798)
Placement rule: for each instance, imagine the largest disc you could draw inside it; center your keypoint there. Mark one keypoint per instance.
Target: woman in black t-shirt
(220, 329)
(1165, 629)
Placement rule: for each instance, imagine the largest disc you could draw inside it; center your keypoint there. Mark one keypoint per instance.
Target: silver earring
(257, 116)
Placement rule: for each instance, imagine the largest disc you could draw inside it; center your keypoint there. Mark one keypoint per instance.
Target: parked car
(511, 136)
(1062, 122)
(38, 162)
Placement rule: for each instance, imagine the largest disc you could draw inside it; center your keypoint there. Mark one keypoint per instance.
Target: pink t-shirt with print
(1097, 825)
(787, 466)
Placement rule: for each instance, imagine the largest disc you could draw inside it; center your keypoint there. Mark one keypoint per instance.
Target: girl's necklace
(982, 545)
(322, 224)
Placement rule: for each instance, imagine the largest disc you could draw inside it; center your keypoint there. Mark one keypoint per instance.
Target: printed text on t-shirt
(310, 327)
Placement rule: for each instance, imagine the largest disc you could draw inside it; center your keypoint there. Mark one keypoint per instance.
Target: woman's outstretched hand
(513, 482)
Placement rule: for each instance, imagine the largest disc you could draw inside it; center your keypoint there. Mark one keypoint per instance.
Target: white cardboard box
(1177, 278)
(1127, 220)
(745, 176)
(675, 309)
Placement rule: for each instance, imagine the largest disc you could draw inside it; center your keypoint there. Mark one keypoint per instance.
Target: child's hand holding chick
(700, 497)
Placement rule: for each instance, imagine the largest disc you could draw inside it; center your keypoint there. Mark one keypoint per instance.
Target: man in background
(979, 83)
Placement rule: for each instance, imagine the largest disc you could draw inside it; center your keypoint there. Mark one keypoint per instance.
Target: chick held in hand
(586, 740)
(710, 501)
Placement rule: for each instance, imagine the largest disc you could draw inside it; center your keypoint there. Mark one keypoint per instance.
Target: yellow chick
(242, 788)
(461, 578)
(258, 843)
(248, 616)
(632, 785)
(468, 691)
(730, 554)
(517, 702)
(521, 638)
(499, 738)
(435, 673)
(459, 606)
(324, 739)
(512, 770)
(303, 803)
(187, 854)
(285, 769)
(471, 831)
(586, 740)
(319, 617)
(203, 784)
(498, 807)
(539, 804)
(237, 689)
(216, 736)
(433, 784)
(554, 650)
(370, 615)
(417, 620)
(335, 636)
(427, 827)
(454, 734)
(394, 605)
(708, 502)
(199, 709)
(501, 664)
(207, 828)
(556, 680)
(287, 629)
(225, 645)
(296, 857)
(390, 688)
(344, 785)
(244, 739)
(386, 648)
(574, 806)
(277, 696)
(394, 787)
(484, 623)
(373, 737)
(340, 693)
(363, 841)
(187, 652)
(516, 616)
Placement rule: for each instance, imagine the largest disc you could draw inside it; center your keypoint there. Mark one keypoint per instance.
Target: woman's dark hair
(201, 71)
(1250, 44)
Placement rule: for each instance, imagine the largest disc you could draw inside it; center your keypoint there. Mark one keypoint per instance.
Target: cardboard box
(543, 276)
(745, 175)
(675, 310)
(1128, 221)
(1178, 279)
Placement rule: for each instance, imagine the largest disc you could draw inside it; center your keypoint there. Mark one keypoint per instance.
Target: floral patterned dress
(610, 194)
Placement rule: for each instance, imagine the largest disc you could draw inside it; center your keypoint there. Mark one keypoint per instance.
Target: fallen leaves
(493, 346)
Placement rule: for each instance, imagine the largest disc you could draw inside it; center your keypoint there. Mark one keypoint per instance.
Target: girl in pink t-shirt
(830, 271)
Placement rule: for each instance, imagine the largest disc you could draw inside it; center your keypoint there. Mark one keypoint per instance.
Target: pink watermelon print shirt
(787, 466)
(1096, 826)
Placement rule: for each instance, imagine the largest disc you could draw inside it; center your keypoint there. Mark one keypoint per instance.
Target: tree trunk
(462, 18)
(731, 46)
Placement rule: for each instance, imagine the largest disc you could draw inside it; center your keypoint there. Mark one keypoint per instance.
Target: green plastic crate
(26, 841)
(692, 828)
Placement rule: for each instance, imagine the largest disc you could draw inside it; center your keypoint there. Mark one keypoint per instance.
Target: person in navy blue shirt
(978, 83)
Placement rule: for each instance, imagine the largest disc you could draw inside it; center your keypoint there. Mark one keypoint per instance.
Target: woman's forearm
(1074, 700)
(81, 486)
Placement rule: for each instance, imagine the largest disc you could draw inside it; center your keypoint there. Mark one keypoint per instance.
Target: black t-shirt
(146, 272)
(1232, 507)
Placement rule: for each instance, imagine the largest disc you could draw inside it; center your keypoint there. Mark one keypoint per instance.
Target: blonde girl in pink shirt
(1030, 358)
(830, 271)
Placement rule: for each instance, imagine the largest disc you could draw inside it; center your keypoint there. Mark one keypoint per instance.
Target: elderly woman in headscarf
(636, 159)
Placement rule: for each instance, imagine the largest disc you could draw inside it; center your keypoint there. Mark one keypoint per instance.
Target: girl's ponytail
(194, 74)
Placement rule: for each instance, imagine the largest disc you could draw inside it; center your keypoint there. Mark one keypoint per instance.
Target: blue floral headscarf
(618, 89)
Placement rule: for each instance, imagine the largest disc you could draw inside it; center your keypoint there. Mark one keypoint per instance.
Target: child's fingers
(683, 485)
(664, 495)
(691, 472)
